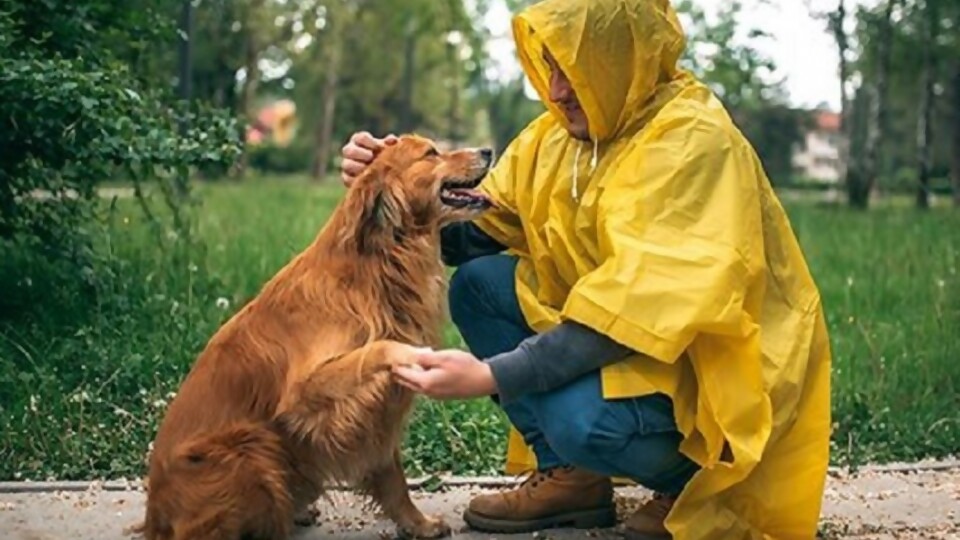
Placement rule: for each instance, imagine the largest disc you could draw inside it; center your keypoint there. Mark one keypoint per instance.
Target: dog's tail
(254, 456)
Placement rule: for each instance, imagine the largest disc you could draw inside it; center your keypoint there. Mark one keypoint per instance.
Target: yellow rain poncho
(673, 243)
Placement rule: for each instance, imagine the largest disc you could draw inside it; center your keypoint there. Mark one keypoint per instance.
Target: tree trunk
(955, 154)
(877, 125)
(849, 165)
(251, 58)
(453, 115)
(925, 116)
(324, 131)
(184, 79)
(324, 136)
(409, 74)
(185, 55)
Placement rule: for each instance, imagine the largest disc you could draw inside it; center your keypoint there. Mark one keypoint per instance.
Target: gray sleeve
(546, 361)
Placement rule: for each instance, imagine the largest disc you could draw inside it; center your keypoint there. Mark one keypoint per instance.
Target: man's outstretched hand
(447, 374)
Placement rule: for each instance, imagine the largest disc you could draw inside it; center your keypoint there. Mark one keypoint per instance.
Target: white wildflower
(223, 303)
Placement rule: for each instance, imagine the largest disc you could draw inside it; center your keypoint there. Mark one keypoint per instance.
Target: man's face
(561, 93)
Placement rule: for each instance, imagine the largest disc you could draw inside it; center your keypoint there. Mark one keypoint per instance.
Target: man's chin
(582, 134)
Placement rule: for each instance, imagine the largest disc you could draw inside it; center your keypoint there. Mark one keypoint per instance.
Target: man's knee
(474, 284)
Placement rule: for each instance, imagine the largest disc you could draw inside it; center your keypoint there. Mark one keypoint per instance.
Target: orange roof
(828, 121)
(276, 112)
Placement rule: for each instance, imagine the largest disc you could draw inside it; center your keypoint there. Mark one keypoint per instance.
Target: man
(637, 302)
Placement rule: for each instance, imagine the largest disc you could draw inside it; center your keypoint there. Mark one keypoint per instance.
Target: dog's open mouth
(461, 195)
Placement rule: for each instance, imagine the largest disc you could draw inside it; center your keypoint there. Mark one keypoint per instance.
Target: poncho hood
(617, 54)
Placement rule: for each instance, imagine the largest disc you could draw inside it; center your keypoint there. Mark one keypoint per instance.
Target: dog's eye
(431, 153)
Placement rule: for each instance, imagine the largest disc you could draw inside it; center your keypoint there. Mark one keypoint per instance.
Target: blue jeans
(634, 438)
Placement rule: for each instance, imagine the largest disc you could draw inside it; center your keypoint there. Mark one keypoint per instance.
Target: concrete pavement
(874, 505)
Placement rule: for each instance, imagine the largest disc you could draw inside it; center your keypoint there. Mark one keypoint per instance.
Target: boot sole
(634, 535)
(599, 518)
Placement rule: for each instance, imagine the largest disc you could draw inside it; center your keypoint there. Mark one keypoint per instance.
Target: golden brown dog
(294, 392)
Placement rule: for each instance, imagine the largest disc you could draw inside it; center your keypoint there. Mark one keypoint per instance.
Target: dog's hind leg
(387, 487)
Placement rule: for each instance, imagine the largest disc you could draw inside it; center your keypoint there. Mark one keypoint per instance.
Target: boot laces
(536, 477)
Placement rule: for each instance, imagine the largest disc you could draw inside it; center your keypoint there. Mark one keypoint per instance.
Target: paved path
(872, 505)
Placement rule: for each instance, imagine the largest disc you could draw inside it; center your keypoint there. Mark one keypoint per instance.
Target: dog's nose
(486, 154)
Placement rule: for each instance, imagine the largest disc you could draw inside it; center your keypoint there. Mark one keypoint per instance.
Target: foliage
(895, 126)
(741, 76)
(105, 303)
(83, 395)
(738, 73)
(83, 102)
(509, 111)
(75, 114)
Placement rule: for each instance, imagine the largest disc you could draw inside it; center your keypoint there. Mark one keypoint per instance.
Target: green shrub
(295, 158)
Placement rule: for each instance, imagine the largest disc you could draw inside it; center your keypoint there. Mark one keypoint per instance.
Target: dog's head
(412, 186)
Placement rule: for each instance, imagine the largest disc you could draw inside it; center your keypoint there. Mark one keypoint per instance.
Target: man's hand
(359, 152)
(447, 374)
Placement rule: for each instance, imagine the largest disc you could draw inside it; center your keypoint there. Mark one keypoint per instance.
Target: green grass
(84, 376)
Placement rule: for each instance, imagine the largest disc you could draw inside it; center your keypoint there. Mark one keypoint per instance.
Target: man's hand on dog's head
(359, 152)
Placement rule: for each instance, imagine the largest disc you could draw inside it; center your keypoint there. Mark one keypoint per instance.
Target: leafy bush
(75, 114)
(80, 104)
(294, 158)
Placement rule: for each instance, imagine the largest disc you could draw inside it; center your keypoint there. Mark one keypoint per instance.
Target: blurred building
(274, 124)
(817, 157)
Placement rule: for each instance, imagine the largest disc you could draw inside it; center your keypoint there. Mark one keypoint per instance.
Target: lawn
(83, 382)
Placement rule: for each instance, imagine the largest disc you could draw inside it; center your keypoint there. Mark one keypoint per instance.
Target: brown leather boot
(647, 522)
(560, 497)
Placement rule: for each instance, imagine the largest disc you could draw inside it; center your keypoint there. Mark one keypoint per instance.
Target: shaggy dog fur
(294, 393)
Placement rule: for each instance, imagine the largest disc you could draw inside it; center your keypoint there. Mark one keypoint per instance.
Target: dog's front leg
(388, 488)
(339, 378)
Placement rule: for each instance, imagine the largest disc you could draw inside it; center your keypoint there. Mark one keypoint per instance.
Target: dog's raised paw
(430, 527)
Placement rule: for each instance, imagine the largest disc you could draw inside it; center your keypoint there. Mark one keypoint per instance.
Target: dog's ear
(380, 218)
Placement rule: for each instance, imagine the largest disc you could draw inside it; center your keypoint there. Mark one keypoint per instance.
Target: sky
(800, 46)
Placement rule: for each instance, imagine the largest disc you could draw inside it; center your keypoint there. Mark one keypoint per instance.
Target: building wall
(819, 157)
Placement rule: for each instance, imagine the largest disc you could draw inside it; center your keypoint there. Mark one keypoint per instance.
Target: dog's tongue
(474, 193)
